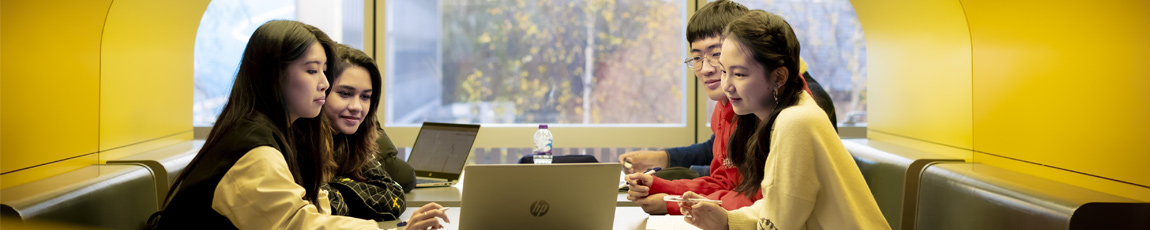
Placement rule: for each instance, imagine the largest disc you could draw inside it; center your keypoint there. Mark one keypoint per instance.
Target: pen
(648, 172)
(404, 223)
(676, 198)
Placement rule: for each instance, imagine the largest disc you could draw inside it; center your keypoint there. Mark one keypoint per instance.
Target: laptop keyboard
(427, 181)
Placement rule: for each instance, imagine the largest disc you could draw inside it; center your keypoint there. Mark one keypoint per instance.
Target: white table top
(451, 196)
(625, 218)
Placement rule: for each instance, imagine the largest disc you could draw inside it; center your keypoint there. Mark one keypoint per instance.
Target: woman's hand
(427, 217)
(705, 215)
(639, 183)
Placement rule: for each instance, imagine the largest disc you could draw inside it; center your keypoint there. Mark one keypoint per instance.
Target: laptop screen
(442, 147)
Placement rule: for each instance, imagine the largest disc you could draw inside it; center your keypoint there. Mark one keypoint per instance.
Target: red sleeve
(721, 178)
(718, 186)
(731, 201)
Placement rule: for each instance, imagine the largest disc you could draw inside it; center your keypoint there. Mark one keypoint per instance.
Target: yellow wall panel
(146, 74)
(74, 167)
(919, 70)
(1064, 84)
(49, 86)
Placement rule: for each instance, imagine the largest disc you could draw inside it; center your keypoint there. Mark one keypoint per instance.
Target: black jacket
(191, 205)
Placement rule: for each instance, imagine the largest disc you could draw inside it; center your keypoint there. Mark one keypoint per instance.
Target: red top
(723, 178)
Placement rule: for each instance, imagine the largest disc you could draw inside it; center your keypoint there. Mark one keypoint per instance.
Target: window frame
(695, 130)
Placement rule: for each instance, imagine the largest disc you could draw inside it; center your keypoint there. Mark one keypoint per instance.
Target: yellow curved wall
(85, 81)
(50, 76)
(918, 79)
(146, 75)
(1054, 89)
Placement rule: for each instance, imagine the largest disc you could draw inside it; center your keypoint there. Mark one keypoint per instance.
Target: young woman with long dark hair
(782, 143)
(248, 175)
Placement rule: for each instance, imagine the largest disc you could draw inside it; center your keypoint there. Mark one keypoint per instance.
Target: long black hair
(772, 44)
(258, 93)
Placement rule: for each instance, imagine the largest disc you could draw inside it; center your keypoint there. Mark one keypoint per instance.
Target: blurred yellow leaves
(485, 38)
(532, 56)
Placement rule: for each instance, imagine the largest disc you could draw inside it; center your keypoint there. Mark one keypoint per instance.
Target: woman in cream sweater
(782, 143)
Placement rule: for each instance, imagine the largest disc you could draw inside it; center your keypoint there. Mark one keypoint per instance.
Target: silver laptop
(440, 152)
(555, 196)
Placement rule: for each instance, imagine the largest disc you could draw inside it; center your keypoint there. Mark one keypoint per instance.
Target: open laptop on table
(440, 152)
(529, 196)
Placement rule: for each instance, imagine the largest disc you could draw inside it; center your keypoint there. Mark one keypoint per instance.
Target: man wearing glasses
(703, 33)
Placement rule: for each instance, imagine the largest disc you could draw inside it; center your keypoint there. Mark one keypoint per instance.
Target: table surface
(451, 196)
(625, 218)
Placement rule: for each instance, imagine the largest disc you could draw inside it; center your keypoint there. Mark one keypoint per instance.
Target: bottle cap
(542, 126)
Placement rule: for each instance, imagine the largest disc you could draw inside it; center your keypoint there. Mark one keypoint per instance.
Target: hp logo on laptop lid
(539, 208)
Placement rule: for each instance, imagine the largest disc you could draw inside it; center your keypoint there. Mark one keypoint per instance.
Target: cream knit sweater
(810, 180)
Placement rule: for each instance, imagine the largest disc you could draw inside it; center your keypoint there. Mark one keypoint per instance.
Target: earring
(776, 94)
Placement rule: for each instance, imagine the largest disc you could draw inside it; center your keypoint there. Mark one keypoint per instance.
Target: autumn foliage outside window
(591, 62)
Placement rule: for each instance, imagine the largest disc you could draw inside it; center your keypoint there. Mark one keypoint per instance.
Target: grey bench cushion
(891, 173)
(977, 196)
(166, 163)
(118, 196)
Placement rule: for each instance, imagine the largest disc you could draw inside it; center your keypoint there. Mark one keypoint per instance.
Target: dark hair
(710, 19)
(772, 44)
(353, 151)
(258, 92)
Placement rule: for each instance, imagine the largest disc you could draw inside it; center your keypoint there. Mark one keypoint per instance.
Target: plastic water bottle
(543, 145)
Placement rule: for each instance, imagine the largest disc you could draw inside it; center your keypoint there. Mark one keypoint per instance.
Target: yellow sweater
(810, 180)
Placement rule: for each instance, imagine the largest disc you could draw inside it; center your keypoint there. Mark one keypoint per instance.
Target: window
(575, 63)
(833, 47)
(227, 25)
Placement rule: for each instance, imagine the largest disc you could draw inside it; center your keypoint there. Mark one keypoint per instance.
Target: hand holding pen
(680, 199)
(638, 184)
(638, 161)
(702, 212)
(646, 181)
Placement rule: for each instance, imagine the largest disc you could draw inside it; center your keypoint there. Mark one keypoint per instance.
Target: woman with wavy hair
(782, 144)
(348, 130)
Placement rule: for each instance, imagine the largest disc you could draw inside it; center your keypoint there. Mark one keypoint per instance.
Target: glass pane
(227, 25)
(513, 155)
(579, 62)
(833, 47)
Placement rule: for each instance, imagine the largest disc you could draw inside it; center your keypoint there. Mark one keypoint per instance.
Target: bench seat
(978, 196)
(110, 196)
(891, 173)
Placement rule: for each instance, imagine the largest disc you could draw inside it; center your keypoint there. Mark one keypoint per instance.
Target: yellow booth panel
(50, 79)
(918, 77)
(146, 73)
(1064, 84)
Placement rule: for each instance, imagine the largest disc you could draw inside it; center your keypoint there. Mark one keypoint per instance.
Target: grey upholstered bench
(978, 196)
(166, 163)
(110, 196)
(891, 173)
